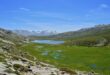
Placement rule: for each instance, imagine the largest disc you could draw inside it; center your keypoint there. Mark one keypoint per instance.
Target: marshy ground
(75, 57)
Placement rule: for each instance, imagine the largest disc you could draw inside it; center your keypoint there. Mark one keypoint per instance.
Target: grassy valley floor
(95, 59)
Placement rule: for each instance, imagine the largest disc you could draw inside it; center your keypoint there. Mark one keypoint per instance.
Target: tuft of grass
(2, 57)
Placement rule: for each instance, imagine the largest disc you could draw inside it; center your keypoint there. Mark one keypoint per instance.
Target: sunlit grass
(75, 57)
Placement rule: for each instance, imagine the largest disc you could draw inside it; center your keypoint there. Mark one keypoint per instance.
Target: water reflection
(56, 54)
(48, 42)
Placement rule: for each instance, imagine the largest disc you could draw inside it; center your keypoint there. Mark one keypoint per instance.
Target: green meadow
(73, 57)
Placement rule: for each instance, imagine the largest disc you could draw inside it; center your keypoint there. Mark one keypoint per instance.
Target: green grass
(2, 57)
(74, 57)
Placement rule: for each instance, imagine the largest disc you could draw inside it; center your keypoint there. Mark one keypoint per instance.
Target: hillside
(88, 36)
(15, 61)
(98, 30)
(10, 36)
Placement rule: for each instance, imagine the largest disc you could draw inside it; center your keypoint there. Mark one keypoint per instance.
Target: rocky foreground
(20, 63)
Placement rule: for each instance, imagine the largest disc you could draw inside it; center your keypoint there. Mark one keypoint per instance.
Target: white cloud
(24, 9)
(104, 6)
(98, 11)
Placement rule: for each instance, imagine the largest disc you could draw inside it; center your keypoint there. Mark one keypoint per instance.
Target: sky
(53, 15)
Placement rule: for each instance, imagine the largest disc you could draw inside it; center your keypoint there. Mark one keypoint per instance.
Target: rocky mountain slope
(93, 31)
(94, 36)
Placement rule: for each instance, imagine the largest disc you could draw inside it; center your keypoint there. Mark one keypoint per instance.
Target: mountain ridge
(34, 33)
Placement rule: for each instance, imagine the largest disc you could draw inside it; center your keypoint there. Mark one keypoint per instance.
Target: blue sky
(55, 15)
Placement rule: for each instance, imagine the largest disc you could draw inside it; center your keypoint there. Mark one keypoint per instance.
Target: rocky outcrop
(19, 64)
